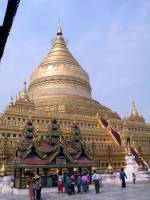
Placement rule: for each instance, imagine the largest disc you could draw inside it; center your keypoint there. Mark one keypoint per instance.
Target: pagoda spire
(24, 93)
(59, 29)
(11, 100)
(135, 115)
(134, 111)
(17, 97)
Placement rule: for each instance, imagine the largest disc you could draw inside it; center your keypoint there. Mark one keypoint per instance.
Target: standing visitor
(38, 187)
(68, 184)
(79, 183)
(72, 184)
(31, 188)
(122, 177)
(64, 182)
(96, 181)
(85, 182)
(134, 177)
(60, 183)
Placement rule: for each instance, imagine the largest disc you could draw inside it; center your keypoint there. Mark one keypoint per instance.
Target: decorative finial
(59, 29)
(24, 93)
(18, 96)
(134, 111)
(11, 100)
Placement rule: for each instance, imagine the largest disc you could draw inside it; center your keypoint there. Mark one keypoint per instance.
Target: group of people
(70, 183)
(34, 186)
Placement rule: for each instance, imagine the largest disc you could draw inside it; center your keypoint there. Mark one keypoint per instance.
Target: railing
(115, 135)
(138, 158)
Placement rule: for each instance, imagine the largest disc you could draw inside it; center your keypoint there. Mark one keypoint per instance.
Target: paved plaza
(139, 191)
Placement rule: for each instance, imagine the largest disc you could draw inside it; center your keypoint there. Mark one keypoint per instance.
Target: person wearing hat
(38, 186)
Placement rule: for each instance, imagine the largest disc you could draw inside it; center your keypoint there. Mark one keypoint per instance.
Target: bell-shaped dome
(59, 74)
(60, 84)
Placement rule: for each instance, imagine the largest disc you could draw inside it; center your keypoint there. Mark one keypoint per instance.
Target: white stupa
(132, 167)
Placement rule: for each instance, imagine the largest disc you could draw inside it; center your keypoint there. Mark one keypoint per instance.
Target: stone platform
(108, 192)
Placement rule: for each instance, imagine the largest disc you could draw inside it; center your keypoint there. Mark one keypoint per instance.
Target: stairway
(138, 158)
(115, 135)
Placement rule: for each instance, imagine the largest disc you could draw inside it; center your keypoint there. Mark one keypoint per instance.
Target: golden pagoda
(60, 88)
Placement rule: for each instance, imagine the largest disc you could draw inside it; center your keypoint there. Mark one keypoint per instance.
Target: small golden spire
(24, 93)
(18, 96)
(11, 100)
(134, 111)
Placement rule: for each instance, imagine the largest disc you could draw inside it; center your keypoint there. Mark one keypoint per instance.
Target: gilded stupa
(61, 83)
(60, 88)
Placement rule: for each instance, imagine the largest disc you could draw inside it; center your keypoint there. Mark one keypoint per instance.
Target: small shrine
(50, 154)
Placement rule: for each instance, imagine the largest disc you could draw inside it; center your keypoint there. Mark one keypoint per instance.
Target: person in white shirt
(96, 181)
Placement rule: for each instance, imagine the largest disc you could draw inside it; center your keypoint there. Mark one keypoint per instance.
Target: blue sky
(109, 38)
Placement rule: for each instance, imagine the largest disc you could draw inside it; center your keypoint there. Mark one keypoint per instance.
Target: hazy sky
(109, 38)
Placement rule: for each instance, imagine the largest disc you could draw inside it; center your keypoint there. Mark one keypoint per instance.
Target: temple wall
(97, 138)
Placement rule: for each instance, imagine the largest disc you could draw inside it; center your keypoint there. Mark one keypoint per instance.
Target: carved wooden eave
(83, 152)
(29, 149)
(57, 152)
(33, 152)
